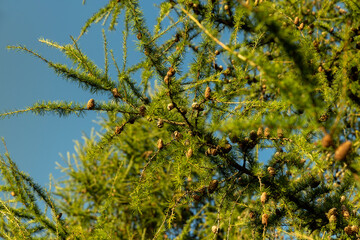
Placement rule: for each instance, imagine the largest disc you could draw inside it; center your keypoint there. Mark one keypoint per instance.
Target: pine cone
(259, 132)
(196, 197)
(139, 36)
(132, 120)
(177, 135)
(342, 151)
(211, 151)
(171, 72)
(189, 153)
(271, 171)
(142, 110)
(331, 212)
(354, 229)
(263, 197)
(167, 79)
(252, 216)
(208, 93)
(332, 219)
(118, 130)
(226, 148)
(296, 20)
(264, 219)
(213, 186)
(170, 106)
(301, 27)
(197, 106)
(326, 141)
(348, 230)
(91, 104)
(253, 135)
(280, 133)
(160, 123)
(267, 132)
(115, 93)
(160, 144)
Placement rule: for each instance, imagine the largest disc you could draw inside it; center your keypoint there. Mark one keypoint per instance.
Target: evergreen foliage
(190, 127)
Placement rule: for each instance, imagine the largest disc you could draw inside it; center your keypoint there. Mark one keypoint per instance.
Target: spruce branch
(152, 158)
(112, 7)
(24, 188)
(85, 80)
(241, 57)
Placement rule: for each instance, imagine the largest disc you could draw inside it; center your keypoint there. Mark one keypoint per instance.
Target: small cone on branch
(167, 79)
(91, 104)
(264, 219)
(354, 229)
(59, 216)
(253, 135)
(207, 92)
(177, 135)
(280, 133)
(139, 36)
(211, 151)
(332, 219)
(263, 197)
(213, 186)
(196, 197)
(142, 110)
(115, 93)
(227, 148)
(13, 194)
(267, 132)
(252, 216)
(296, 20)
(132, 120)
(214, 229)
(118, 130)
(197, 106)
(332, 211)
(160, 123)
(171, 72)
(160, 144)
(348, 230)
(271, 171)
(301, 27)
(170, 106)
(342, 151)
(326, 141)
(189, 153)
(259, 132)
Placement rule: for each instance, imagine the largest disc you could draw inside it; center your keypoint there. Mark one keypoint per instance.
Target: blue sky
(34, 142)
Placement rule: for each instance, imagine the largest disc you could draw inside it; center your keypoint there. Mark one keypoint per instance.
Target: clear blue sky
(35, 142)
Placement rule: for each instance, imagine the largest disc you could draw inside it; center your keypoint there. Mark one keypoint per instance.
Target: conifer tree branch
(64, 109)
(243, 58)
